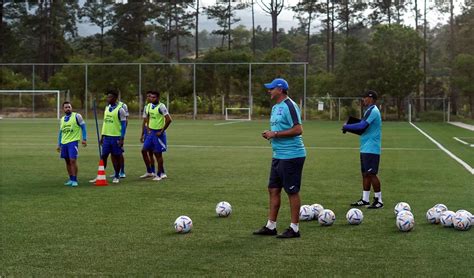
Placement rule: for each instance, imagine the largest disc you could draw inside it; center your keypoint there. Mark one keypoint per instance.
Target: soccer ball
(441, 207)
(354, 216)
(462, 221)
(326, 217)
(405, 221)
(306, 213)
(405, 212)
(446, 218)
(468, 213)
(316, 208)
(183, 224)
(401, 206)
(223, 209)
(432, 215)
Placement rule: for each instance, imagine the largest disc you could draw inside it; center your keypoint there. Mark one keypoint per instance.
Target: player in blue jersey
(288, 159)
(147, 155)
(72, 125)
(370, 149)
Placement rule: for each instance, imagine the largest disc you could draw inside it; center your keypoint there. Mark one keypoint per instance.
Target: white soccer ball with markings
(183, 224)
(462, 220)
(326, 217)
(316, 208)
(433, 214)
(441, 207)
(306, 213)
(354, 216)
(400, 207)
(223, 209)
(405, 221)
(446, 218)
(468, 213)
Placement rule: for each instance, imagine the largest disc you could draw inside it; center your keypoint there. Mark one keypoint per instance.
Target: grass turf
(126, 229)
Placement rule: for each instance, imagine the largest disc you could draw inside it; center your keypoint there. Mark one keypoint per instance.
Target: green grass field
(126, 229)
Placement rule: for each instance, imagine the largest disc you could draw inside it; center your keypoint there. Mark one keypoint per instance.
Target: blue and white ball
(446, 218)
(468, 213)
(316, 208)
(462, 220)
(306, 213)
(400, 207)
(354, 216)
(223, 209)
(433, 214)
(183, 224)
(326, 217)
(405, 221)
(441, 207)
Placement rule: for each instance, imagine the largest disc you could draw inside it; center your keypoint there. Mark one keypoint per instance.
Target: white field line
(463, 142)
(231, 147)
(463, 125)
(464, 164)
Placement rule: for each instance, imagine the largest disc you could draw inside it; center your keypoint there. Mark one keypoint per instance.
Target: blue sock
(152, 167)
(73, 178)
(70, 178)
(148, 169)
(122, 170)
(117, 175)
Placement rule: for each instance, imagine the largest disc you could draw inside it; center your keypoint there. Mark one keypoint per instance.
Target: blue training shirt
(371, 139)
(284, 116)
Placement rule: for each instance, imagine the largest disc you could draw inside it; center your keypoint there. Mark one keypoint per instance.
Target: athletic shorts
(369, 163)
(286, 173)
(154, 143)
(110, 146)
(70, 150)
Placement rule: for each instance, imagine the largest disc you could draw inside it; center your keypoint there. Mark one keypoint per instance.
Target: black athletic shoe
(289, 233)
(360, 203)
(376, 204)
(264, 231)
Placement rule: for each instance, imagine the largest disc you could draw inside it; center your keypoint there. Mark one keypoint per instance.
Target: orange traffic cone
(101, 180)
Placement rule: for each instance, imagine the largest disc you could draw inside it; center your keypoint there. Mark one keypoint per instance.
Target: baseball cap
(278, 82)
(371, 94)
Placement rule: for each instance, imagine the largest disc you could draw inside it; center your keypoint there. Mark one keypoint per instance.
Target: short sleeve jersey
(371, 139)
(285, 115)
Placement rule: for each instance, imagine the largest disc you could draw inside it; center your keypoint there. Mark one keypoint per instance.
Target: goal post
(238, 114)
(32, 93)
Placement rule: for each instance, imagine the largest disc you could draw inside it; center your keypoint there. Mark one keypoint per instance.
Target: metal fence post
(304, 94)
(194, 92)
(140, 101)
(339, 109)
(250, 89)
(34, 85)
(86, 85)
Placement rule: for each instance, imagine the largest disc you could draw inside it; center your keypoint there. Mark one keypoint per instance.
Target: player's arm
(144, 124)
(296, 130)
(168, 121)
(123, 123)
(82, 124)
(60, 135)
(355, 127)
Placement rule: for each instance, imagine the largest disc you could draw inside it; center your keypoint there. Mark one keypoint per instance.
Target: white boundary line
(464, 164)
(229, 123)
(233, 147)
(464, 142)
(463, 125)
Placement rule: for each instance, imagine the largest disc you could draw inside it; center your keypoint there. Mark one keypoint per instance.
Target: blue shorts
(154, 143)
(286, 173)
(369, 163)
(70, 150)
(110, 146)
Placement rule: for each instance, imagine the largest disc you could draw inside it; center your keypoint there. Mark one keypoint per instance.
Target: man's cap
(277, 83)
(371, 94)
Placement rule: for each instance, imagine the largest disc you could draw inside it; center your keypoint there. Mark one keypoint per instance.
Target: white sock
(365, 196)
(378, 195)
(295, 227)
(271, 224)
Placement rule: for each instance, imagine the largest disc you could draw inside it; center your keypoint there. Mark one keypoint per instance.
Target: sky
(286, 18)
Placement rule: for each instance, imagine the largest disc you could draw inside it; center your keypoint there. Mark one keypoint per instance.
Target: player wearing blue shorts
(158, 120)
(122, 159)
(147, 155)
(68, 140)
(288, 159)
(113, 132)
(370, 149)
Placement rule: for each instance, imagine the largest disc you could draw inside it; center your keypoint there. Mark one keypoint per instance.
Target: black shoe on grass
(360, 203)
(376, 204)
(264, 231)
(289, 233)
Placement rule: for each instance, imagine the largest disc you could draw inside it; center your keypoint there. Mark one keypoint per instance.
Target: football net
(238, 114)
(30, 103)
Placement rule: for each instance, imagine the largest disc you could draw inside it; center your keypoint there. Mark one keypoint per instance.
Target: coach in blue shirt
(370, 145)
(288, 158)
